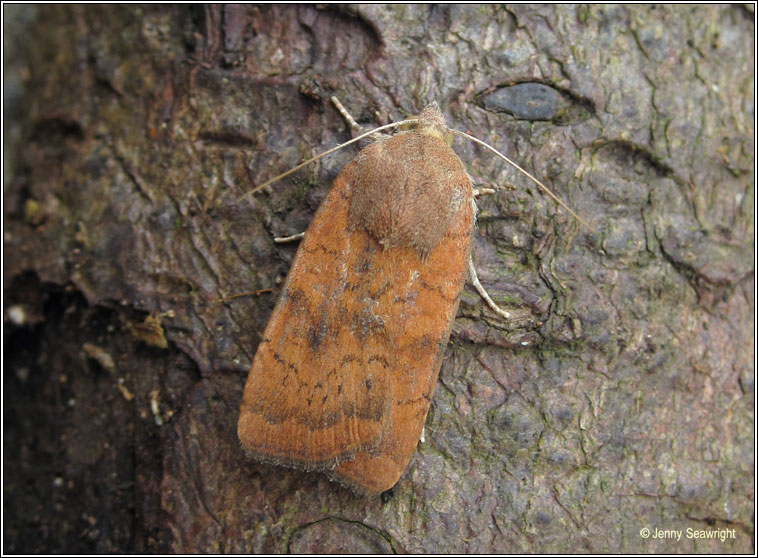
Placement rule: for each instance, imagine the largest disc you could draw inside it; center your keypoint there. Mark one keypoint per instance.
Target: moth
(344, 374)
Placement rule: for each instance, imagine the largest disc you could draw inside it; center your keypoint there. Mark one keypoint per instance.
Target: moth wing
(319, 389)
(418, 300)
(424, 327)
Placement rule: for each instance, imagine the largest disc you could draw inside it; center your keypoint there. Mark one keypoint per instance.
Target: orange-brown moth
(344, 375)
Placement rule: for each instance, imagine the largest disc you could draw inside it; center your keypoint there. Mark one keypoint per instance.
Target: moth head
(432, 123)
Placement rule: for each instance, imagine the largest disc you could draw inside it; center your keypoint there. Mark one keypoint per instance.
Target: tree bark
(618, 397)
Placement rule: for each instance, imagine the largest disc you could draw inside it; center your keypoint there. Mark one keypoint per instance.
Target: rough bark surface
(618, 397)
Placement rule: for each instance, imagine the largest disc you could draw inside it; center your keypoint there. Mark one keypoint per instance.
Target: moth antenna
(324, 154)
(532, 178)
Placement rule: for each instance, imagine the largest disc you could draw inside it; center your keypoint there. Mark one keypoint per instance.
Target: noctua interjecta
(344, 375)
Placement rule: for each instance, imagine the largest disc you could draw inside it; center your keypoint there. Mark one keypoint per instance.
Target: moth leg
(483, 191)
(356, 128)
(482, 292)
(346, 115)
(472, 270)
(351, 121)
(290, 238)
